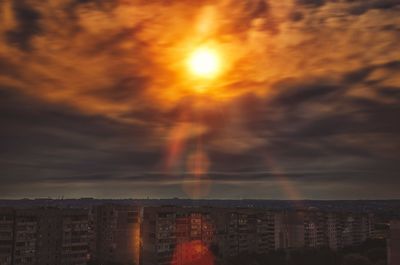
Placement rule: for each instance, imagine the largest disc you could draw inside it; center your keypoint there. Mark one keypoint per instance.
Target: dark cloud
(123, 89)
(363, 6)
(304, 93)
(93, 101)
(311, 2)
(296, 16)
(28, 25)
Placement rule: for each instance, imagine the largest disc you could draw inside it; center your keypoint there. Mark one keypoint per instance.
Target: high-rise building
(25, 236)
(213, 232)
(62, 236)
(116, 230)
(333, 226)
(247, 231)
(74, 244)
(315, 229)
(228, 232)
(354, 228)
(44, 236)
(394, 243)
(171, 235)
(291, 229)
(176, 235)
(6, 235)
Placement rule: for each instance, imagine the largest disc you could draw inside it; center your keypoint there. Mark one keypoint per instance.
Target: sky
(96, 99)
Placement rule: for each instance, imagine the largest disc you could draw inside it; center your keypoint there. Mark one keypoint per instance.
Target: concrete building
(354, 228)
(6, 235)
(233, 231)
(25, 236)
(44, 236)
(176, 235)
(381, 231)
(394, 243)
(170, 235)
(62, 236)
(247, 231)
(216, 232)
(315, 229)
(74, 245)
(291, 229)
(115, 233)
(333, 228)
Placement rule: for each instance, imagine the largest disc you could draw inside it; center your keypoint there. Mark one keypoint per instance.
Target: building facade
(171, 235)
(176, 235)
(6, 235)
(228, 232)
(115, 233)
(394, 243)
(44, 236)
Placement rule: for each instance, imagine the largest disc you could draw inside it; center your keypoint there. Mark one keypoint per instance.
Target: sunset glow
(200, 99)
(204, 62)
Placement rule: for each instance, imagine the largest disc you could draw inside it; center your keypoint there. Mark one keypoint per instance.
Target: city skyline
(96, 99)
(128, 234)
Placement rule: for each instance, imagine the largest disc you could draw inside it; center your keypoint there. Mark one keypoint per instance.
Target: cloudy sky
(95, 99)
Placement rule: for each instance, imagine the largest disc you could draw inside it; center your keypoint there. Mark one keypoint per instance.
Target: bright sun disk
(204, 62)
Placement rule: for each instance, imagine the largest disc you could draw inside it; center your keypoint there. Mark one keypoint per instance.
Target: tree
(355, 259)
(376, 254)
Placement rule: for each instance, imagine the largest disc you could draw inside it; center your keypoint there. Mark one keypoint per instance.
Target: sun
(204, 62)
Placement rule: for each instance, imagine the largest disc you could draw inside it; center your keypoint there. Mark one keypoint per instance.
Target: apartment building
(333, 228)
(247, 231)
(169, 235)
(232, 231)
(115, 234)
(394, 243)
(74, 244)
(177, 235)
(167, 231)
(25, 236)
(44, 236)
(291, 229)
(6, 235)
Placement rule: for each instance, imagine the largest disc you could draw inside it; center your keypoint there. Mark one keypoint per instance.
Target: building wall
(292, 229)
(332, 227)
(394, 243)
(166, 231)
(48, 247)
(176, 235)
(117, 233)
(43, 236)
(6, 235)
(170, 235)
(74, 225)
(25, 237)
